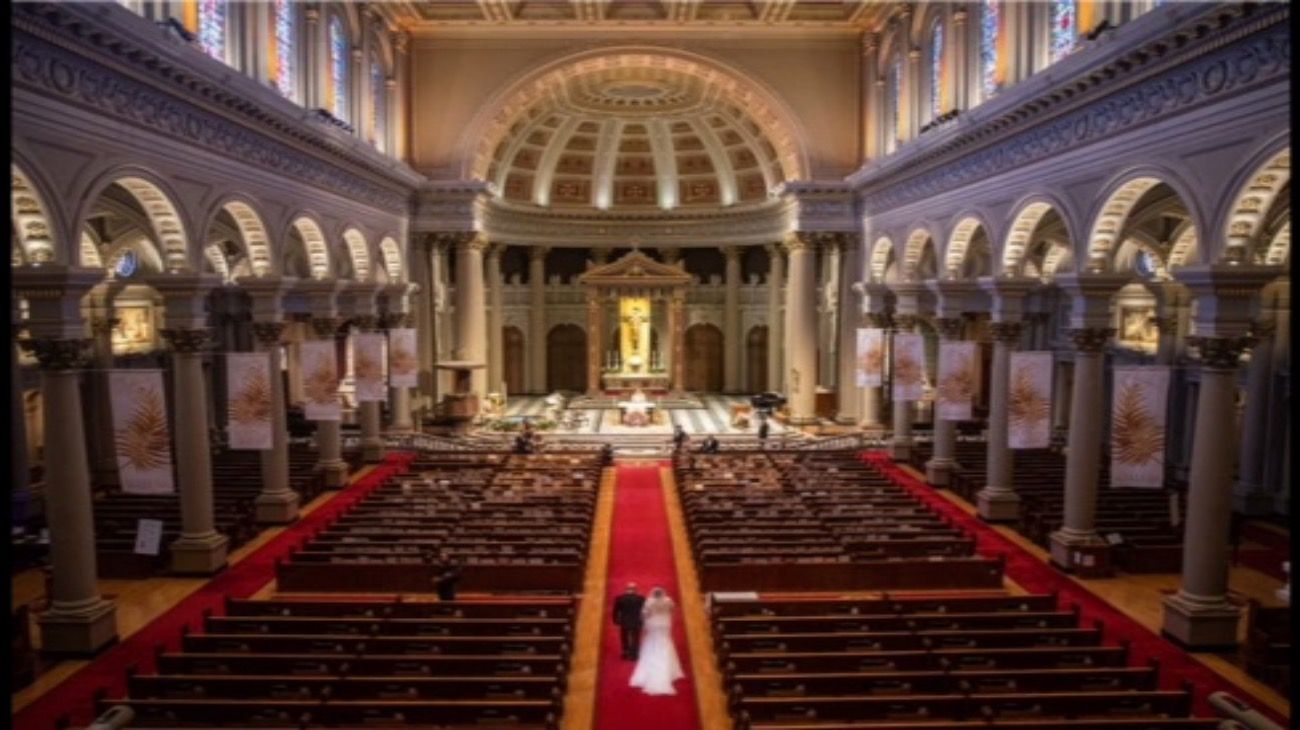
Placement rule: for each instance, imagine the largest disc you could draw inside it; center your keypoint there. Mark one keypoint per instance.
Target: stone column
(200, 549)
(444, 336)
(878, 302)
(731, 336)
(677, 336)
(79, 620)
(471, 314)
(1249, 495)
(1277, 446)
(277, 504)
(397, 314)
(801, 331)
(775, 319)
(870, 108)
(998, 501)
(828, 377)
(422, 310)
(105, 465)
(595, 340)
(848, 315)
(959, 61)
(495, 319)
(939, 468)
(365, 318)
(329, 445)
(900, 441)
(537, 319)
(1199, 615)
(23, 498)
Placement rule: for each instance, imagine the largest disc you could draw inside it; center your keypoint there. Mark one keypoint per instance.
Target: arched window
(378, 102)
(896, 101)
(284, 52)
(340, 57)
(936, 69)
(1065, 28)
(212, 28)
(990, 28)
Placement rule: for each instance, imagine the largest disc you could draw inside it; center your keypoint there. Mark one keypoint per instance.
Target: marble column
(1249, 496)
(495, 319)
(957, 54)
(732, 343)
(943, 459)
(368, 412)
(329, 443)
(870, 107)
(900, 440)
(677, 336)
(829, 346)
(102, 325)
(471, 310)
(848, 316)
(277, 503)
(537, 319)
(1200, 615)
(998, 501)
(775, 318)
(422, 310)
(79, 621)
(444, 334)
(801, 330)
(397, 315)
(878, 303)
(595, 340)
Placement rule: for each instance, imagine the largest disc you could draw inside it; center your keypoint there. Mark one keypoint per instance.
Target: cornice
(105, 58)
(1139, 75)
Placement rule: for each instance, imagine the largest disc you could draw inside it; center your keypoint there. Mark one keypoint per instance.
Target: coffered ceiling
(847, 14)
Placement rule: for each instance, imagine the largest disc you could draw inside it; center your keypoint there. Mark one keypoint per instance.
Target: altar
(636, 411)
(642, 299)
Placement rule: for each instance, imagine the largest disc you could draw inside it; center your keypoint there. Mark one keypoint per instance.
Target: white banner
(141, 431)
(1029, 401)
(1137, 426)
(958, 380)
(871, 357)
(320, 380)
(909, 367)
(402, 362)
(248, 400)
(368, 366)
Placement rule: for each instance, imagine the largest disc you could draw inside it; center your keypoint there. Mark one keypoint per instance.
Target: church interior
(933, 358)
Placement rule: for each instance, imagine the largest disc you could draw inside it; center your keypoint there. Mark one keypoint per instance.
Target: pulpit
(460, 406)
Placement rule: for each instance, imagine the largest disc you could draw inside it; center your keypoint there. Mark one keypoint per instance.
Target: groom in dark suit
(627, 616)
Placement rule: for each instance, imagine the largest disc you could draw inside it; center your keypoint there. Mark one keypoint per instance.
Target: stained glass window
(990, 26)
(212, 28)
(896, 99)
(339, 60)
(936, 69)
(286, 48)
(377, 101)
(1064, 28)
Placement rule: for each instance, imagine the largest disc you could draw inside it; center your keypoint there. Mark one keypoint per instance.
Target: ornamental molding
(57, 354)
(187, 341)
(1090, 339)
(1219, 52)
(78, 53)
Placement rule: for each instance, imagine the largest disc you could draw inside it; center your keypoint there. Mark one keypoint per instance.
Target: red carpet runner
(641, 552)
(75, 694)
(1036, 576)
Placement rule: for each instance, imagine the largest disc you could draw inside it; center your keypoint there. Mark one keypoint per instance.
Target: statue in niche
(632, 328)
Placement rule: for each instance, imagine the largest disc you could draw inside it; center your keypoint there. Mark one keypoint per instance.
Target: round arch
(914, 251)
(1252, 200)
(881, 255)
(252, 232)
(315, 249)
(156, 200)
(1117, 203)
(1030, 213)
(493, 122)
(33, 227)
(358, 254)
(954, 256)
(391, 256)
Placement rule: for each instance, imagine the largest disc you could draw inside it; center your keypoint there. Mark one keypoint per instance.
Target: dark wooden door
(566, 359)
(756, 359)
(513, 361)
(703, 366)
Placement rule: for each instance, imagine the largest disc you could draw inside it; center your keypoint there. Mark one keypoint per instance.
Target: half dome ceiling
(635, 136)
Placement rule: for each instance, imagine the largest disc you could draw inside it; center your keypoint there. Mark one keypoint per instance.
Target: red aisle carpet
(1036, 576)
(641, 551)
(75, 694)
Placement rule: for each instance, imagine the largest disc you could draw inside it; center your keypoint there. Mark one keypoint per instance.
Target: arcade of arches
(612, 220)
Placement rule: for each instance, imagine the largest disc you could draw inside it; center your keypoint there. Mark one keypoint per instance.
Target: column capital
(538, 253)
(1225, 296)
(775, 250)
(326, 327)
(1262, 329)
(103, 325)
(959, 16)
(361, 298)
(492, 251)
(451, 239)
(311, 14)
(187, 341)
(1091, 339)
(268, 333)
(365, 322)
(1090, 295)
(956, 296)
(1005, 331)
(951, 329)
(58, 354)
(1219, 353)
(1007, 295)
(1167, 324)
(54, 295)
(870, 43)
(904, 322)
(879, 320)
(321, 295)
(732, 253)
(267, 293)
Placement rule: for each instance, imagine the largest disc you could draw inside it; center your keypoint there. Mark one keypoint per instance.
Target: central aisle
(641, 551)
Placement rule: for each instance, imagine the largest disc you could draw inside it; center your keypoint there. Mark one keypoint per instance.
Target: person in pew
(448, 575)
(710, 445)
(658, 667)
(627, 617)
(607, 454)
(680, 439)
(763, 430)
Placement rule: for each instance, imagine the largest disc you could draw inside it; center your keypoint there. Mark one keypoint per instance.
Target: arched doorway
(756, 359)
(513, 349)
(703, 366)
(566, 358)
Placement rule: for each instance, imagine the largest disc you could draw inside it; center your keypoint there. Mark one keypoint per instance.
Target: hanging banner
(368, 366)
(320, 380)
(141, 431)
(248, 400)
(958, 380)
(402, 363)
(1137, 426)
(1029, 401)
(909, 367)
(871, 357)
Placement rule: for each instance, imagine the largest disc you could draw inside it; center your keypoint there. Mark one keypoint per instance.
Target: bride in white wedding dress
(658, 667)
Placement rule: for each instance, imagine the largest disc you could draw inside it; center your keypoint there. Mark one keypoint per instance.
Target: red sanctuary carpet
(640, 551)
(1036, 576)
(75, 695)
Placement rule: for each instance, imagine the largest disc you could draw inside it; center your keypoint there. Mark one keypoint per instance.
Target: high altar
(631, 294)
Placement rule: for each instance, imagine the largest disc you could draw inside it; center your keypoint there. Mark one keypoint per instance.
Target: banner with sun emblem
(402, 363)
(958, 381)
(320, 380)
(368, 366)
(140, 431)
(1137, 426)
(871, 357)
(1029, 400)
(248, 400)
(909, 367)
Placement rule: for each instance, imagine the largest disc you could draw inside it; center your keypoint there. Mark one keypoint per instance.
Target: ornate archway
(703, 367)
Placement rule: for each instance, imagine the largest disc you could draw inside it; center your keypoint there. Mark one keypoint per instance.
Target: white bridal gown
(658, 667)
